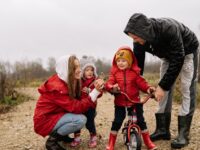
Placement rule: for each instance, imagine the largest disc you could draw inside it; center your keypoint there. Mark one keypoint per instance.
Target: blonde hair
(74, 85)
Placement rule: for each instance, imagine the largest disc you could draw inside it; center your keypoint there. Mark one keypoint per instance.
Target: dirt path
(16, 126)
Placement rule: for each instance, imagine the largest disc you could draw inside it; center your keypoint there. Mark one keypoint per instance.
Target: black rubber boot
(162, 127)
(67, 139)
(52, 142)
(184, 123)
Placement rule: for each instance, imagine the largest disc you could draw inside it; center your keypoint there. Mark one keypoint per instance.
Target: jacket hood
(141, 26)
(87, 65)
(62, 67)
(134, 65)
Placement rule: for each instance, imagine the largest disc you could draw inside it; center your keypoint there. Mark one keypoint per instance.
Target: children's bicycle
(131, 131)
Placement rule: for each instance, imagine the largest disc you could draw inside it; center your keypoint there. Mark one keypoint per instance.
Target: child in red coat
(125, 76)
(89, 75)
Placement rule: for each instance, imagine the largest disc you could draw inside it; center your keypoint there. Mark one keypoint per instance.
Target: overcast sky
(31, 29)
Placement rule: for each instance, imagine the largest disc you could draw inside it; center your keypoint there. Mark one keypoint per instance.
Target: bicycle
(131, 131)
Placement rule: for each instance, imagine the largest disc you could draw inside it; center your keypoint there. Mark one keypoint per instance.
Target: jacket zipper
(125, 84)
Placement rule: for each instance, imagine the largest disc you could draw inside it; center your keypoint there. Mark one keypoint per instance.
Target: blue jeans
(69, 123)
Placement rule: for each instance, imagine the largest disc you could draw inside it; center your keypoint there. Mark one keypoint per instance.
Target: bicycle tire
(135, 142)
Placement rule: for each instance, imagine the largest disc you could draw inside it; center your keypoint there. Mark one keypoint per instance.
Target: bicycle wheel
(135, 142)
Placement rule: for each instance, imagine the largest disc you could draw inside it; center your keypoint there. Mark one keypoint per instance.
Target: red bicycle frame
(132, 124)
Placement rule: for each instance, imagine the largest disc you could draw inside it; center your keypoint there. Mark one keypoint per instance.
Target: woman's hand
(99, 84)
(159, 93)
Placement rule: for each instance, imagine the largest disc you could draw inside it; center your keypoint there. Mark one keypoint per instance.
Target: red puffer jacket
(129, 81)
(88, 83)
(53, 103)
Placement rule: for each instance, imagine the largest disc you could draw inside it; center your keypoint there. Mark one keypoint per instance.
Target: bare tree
(2, 80)
(51, 65)
(7, 83)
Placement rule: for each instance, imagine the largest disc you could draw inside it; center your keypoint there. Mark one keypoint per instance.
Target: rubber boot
(162, 127)
(52, 142)
(67, 139)
(147, 141)
(184, 123)
(111, 143)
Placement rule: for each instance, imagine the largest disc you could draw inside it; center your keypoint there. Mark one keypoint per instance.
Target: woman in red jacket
(125, 76)
(59, 108)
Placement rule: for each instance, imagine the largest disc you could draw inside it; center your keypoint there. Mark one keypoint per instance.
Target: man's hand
(159, 93)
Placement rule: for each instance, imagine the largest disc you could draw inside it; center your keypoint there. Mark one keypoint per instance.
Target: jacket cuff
(94, 94)
(163, 86)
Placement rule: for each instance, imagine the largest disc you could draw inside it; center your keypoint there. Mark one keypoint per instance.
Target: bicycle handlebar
(136, 102)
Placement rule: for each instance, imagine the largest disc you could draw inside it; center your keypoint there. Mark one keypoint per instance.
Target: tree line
(21, 73)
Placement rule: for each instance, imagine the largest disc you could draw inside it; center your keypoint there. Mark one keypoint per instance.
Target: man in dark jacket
(177, 47)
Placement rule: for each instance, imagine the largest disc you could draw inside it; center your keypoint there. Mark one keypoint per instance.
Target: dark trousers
(90, 124)
(120, 115)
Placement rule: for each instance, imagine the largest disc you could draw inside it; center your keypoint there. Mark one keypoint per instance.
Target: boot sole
(161, 138)
(178, 146)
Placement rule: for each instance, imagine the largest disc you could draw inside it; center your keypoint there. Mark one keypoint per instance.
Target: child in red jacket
(125, 76)
(89, 75)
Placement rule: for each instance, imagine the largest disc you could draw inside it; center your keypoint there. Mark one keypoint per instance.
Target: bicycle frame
(131, 124)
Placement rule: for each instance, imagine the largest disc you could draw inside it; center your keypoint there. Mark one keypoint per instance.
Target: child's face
(89, 72)
(122, 64)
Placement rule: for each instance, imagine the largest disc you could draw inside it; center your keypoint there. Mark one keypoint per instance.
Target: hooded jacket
(54, 100)
(129, 81)
(165, 38)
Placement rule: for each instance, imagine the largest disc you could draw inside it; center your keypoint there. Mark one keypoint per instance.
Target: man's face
(137, 39)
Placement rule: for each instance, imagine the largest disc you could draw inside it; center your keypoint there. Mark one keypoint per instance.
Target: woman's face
(77, 69)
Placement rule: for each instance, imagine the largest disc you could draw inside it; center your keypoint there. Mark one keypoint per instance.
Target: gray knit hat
(89, 65)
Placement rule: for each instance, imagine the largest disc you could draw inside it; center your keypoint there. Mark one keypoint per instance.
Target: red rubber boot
(147, 141)
(111, 143)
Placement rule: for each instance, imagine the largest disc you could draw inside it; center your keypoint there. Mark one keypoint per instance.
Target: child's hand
(86, 90)
(116, 86)
(115, 89)
(151, 90)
